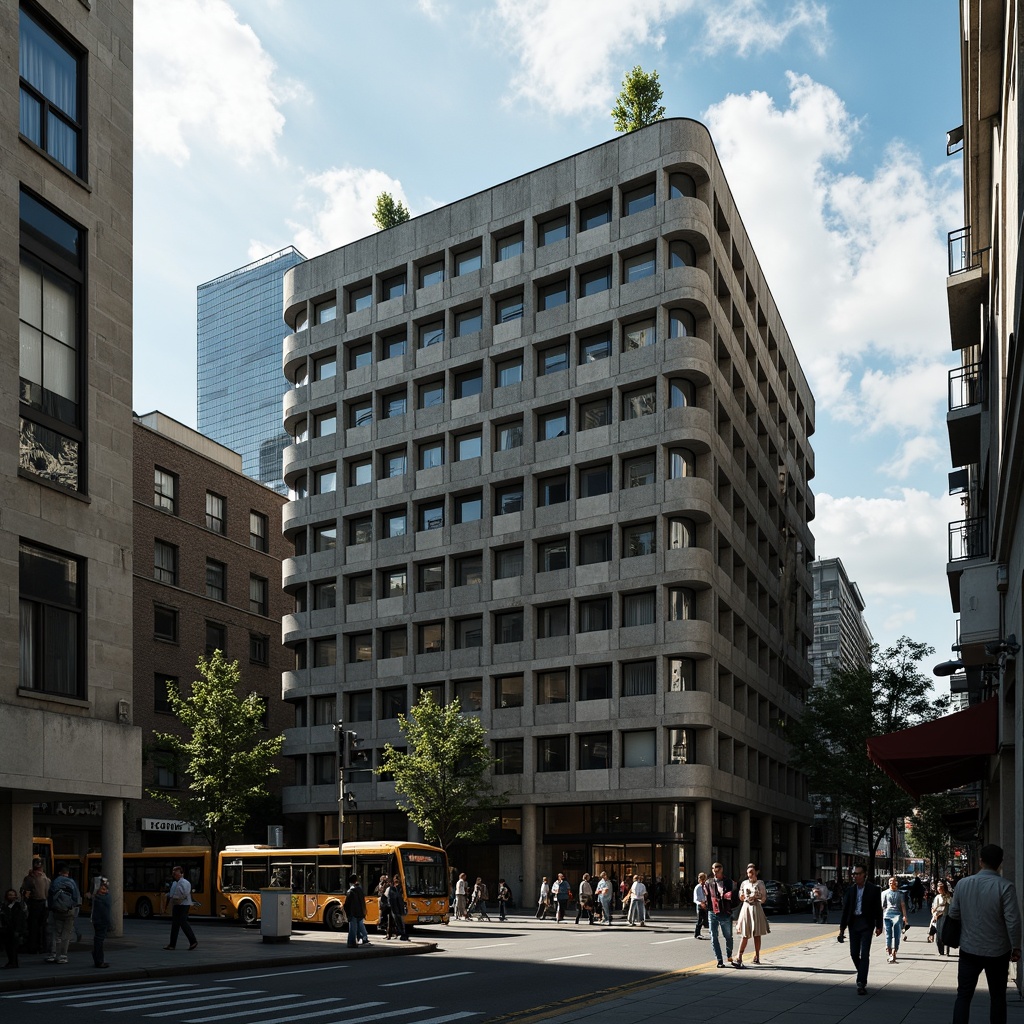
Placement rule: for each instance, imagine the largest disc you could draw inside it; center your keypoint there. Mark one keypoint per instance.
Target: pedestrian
(380, 894)
(63, 901)
(460, 897)
(585, 903)
(35, 887)
(986, 905)
(916, 892)
(752, 922)
(355, 911)
(504, 898)
(396, 910)
(13, 925)
(862, 912)
(637, 897)
(605, 895)
(701, 905)
(179, 898)
(719, 894)
(560, 894)
(819, 902)
(939, 906)
(894, 911)
(544, 899)
(101, 920)
(480, 898)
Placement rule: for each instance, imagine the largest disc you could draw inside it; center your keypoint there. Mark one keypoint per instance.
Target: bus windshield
(424, 872)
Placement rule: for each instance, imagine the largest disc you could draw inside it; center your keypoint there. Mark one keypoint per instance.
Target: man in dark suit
(862, 912)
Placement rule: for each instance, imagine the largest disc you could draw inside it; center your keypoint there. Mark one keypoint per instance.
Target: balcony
(963, 420)
(968, 548)
(965, 289)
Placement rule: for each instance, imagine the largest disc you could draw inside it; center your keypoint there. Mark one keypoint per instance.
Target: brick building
(208, 550)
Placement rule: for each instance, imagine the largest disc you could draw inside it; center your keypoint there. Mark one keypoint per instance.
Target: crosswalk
(239, 1002)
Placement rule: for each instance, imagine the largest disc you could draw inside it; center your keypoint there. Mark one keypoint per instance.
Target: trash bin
(276, 914)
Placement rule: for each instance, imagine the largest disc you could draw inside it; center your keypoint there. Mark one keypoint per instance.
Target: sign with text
(165, 825)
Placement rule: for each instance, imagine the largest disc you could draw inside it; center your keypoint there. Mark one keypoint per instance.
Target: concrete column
(530, 884)
(794, 865)
(312, 829)
(767, 865)
(743, 852)
(806, 868)
(15, 843)
(703, 846)
(112, 844)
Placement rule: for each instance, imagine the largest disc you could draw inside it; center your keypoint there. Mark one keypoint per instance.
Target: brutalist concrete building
(551, 456)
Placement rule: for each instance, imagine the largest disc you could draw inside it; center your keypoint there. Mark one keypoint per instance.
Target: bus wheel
(247, 913)
(334, 918)
(144, 909)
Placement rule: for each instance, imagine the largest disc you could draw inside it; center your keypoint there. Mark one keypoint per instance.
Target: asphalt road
(482, 971)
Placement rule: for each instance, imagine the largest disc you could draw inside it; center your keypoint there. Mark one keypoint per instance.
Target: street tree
(639, 101)
(442, 779)
(225, 762)
(928, 835)
(389, 211)
(829, 742)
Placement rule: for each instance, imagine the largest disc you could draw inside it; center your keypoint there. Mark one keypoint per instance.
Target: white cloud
(337, 207)
(895, 548)
(746, 25)
(432, 9)
(573, 55)
(201, 75)
(856, 265)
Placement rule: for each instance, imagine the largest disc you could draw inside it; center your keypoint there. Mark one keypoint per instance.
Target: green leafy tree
(389, 211)
(830, 741)
(928, 837)
(639, 102)
(443, 779)
(220, 752)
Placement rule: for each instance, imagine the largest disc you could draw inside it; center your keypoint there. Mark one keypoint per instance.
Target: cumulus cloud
(856, 265)
(572, 55)
(337, 207)
(907, 529)
(200, 74)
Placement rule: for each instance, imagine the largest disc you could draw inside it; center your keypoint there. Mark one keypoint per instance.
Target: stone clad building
(67, 742)
(551, 456)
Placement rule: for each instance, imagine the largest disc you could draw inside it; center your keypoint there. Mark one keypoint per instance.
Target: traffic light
(356, 759)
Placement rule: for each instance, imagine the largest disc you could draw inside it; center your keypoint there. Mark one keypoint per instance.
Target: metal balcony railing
(968, 538)
(961, 256)
(966, 386)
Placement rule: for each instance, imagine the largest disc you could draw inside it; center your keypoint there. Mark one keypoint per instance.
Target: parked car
(781, 899)
(801, 896)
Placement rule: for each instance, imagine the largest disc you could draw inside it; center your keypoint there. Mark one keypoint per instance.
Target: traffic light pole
(339, 728)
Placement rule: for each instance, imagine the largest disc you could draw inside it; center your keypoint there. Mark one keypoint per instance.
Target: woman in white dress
(752, 922)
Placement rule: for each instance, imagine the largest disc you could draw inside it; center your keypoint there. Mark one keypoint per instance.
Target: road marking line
(305, 970)
(442, 1020)
(665, 942)
(280, 1020)
(249, 1002)
(79, 993)
(391, 1012)
(417, 981)
(180, 1000)
(494, 945)
(81, 990)
(575, 956)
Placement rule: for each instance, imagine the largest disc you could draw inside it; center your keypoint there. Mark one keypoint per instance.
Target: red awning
(939, 755)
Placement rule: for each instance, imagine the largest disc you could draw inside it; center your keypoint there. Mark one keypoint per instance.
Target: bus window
(424, 872)
(281, 875)
(332, 877)
(303, 878)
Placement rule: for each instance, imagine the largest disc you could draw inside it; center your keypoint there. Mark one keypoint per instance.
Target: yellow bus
(147, 877)
(318, 879)
(42, 846)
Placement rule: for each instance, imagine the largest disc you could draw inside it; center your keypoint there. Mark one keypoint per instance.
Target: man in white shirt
(179, 896)
(986, 904)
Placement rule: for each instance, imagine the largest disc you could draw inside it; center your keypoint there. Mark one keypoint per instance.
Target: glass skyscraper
(239, 379)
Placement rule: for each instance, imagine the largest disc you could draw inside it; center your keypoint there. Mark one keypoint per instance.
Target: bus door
(369, 867)
(304, 890)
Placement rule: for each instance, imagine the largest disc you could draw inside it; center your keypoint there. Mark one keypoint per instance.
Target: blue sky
(265, 123)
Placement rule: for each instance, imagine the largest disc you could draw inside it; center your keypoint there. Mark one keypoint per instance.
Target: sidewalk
(810, 982)
(140, 953)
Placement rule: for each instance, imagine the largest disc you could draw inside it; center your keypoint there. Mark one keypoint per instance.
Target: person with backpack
(479, 900)
(63, 901)
(384, 926)
(504, 898)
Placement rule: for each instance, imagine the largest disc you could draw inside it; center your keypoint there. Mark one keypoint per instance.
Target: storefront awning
(939, 755)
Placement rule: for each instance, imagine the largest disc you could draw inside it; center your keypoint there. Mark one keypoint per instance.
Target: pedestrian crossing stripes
(183, 1002)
